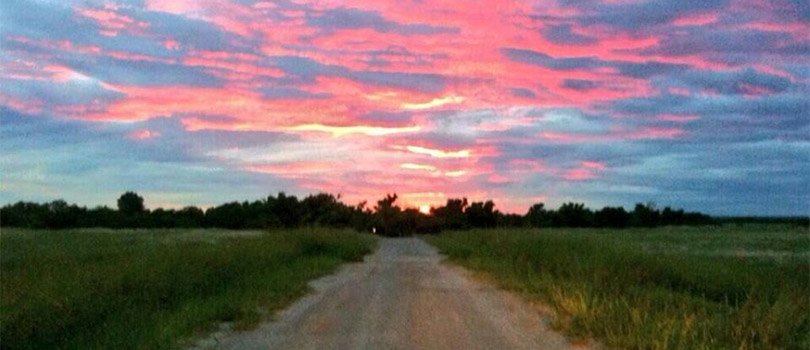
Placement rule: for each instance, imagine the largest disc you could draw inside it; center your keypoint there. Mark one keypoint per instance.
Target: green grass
(733, 287)
(154, 289)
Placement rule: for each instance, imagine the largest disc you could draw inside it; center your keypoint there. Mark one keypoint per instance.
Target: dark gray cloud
(729, 118)
(579, 84)
(424, 82)
(639, 15)
(801, 10)
(541, 59)
(173, 143)
(562, 34)
(715, 167)
(647, 69)
(793, 105)
(736, 82)
(192, 33)
(523, 92)
(696, 40)
(630, 69)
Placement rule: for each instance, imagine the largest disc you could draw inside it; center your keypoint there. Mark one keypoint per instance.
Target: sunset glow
(697, 104)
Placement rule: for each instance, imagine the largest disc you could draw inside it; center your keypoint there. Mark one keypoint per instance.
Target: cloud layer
(702, 104)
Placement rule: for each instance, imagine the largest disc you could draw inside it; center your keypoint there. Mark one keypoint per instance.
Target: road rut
(401, 297)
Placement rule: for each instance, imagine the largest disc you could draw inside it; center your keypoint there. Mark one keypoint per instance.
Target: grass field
(731, 287)
(154, 289)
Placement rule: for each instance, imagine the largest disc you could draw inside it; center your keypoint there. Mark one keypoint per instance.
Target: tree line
(384, 218)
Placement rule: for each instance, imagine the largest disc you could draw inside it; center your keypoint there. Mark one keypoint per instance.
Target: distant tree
(130, 203)
(573, 215)
(481, 214)
(362, 218)
(161, 218)
(387, 217)
(428, 224)
(286, 208)
(538, 216)
(510, 220)
(327, 210)
(228, 215)
(24, 214)
(61, 215)
(452, 214)
(671, 217)
(611, 217)
(189, 217)
(101, 217)
(645, 215)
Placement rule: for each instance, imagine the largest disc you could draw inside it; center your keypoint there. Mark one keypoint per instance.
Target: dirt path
(401, 297)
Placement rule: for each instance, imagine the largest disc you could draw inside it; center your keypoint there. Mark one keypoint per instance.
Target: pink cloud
(593, 165)
(171, 44)
(143, 134)
(696, 19)
(578, 174)
(677, 118)
(499, 179)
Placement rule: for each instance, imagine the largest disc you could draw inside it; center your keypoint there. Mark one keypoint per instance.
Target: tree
(324, 209)
(509, 220)
(611, 217)
(538, 216)
(452, 214)
(573, 215)
(130, 203)
(646, 215)
(482, 214)
(387, 221)
(286, 208)
(228, 215)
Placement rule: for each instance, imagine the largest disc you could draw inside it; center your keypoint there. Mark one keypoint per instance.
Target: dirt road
(401, 297)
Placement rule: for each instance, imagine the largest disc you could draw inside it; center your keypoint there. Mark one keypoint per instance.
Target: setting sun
(424, 209)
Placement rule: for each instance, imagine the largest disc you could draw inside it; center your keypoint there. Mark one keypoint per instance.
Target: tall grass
(655, 289)
(102, 289)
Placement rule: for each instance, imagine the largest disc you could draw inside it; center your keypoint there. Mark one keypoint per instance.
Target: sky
(695, 104)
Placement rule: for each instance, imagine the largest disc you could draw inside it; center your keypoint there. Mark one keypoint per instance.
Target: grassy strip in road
(150, 289)
(738, 287)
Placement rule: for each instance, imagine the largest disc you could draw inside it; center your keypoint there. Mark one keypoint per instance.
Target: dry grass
(667, 288)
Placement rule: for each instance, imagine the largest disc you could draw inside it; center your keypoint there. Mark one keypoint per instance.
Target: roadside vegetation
(645, 278)
(730, 287)
(150, 289)
(385, 218)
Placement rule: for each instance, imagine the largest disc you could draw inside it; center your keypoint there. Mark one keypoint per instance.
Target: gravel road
(400, 297)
